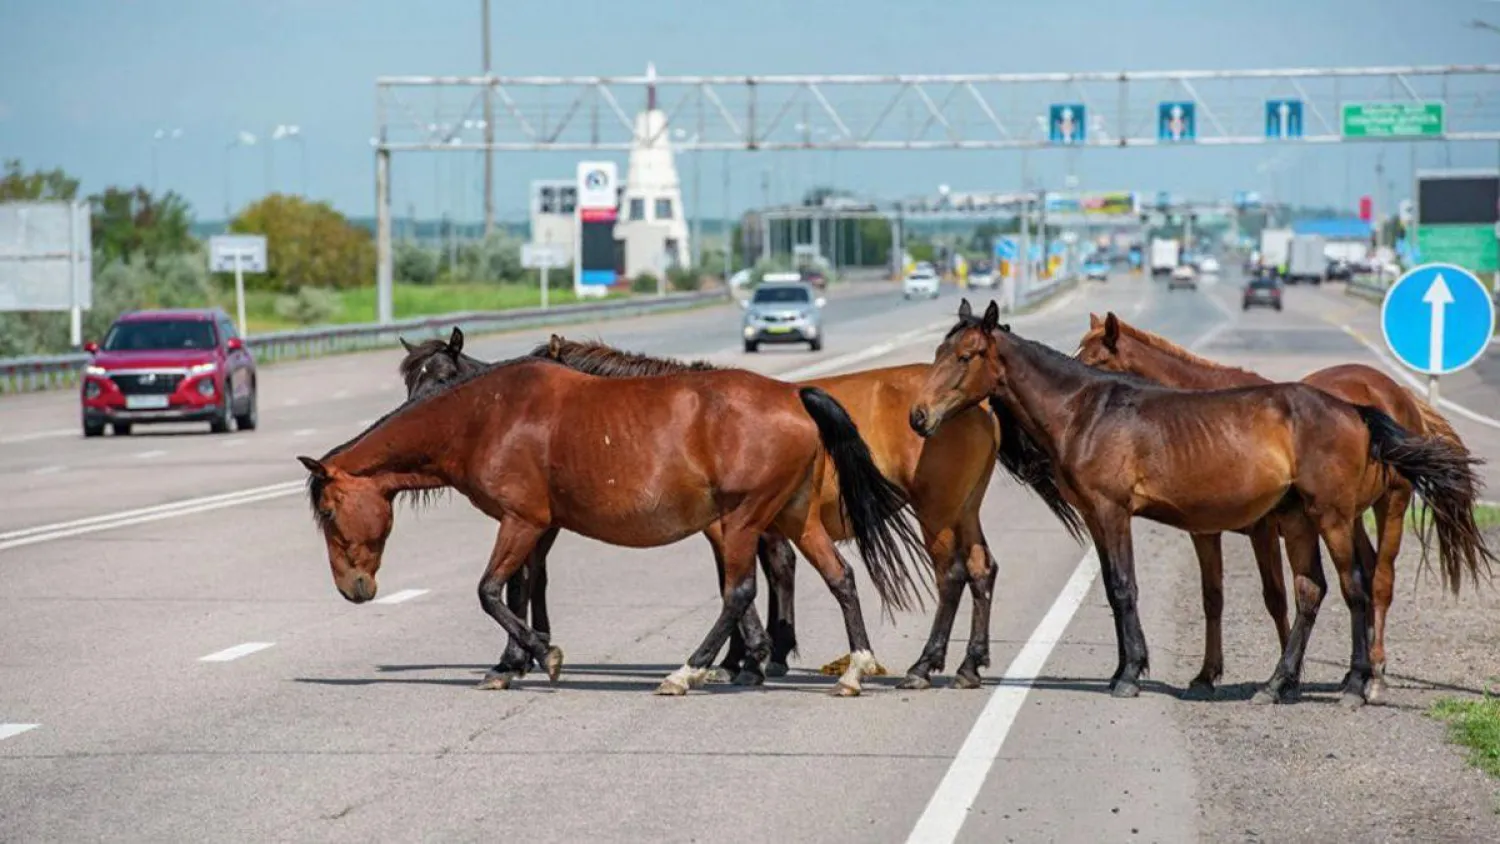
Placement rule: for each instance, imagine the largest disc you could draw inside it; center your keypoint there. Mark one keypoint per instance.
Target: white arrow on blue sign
(1438, 318)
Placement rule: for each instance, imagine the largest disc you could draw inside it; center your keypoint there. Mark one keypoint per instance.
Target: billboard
(46, 256)
(597, 209)
(1456, 218)
(1116, 203)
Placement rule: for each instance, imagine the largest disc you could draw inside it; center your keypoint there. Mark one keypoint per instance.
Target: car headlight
(202, 368)
(206, 387)
(749, 332)
(93, 369)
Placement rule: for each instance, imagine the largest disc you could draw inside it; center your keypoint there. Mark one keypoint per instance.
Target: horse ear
(317, 469)
(554, 347)
(964, 310)
(1111, 331)
(405, 345)
(1094, 321)
(991, 316)
(456, 341)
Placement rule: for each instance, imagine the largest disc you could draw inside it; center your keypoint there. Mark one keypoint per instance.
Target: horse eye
(326, 513)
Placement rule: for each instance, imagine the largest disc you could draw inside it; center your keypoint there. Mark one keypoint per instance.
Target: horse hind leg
(1209, 549)
(736, 553)
(951, 577)
(818, 548)
(1390, 518)
(779, 561)
(1354, 570)
(1310, 587)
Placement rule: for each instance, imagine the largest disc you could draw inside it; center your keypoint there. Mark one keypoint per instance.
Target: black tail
(871, 503)
(1026, 461)
(1443, 475)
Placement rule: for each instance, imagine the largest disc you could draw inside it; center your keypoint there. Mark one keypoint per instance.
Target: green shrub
(308, 306)
(684, 278)
(643, 282)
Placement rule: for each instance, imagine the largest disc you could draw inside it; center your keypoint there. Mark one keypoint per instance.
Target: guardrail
(1035, 293)
(46, 372)
(1369, 285)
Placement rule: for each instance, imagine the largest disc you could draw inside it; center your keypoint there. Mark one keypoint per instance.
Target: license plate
(145, 402)
(778, 329)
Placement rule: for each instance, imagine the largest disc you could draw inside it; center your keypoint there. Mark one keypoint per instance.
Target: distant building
(652, 224)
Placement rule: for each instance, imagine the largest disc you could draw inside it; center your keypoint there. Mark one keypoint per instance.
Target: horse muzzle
(360, 588)
(922, 422)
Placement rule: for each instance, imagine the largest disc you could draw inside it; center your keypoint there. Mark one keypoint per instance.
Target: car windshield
(781, 295)
(159, 334)
(1263, 282)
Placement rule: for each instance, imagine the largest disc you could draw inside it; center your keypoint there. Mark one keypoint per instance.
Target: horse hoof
(496, 681)
(966, 679)
(554, 662)
(717, 676)
(776, 669)
(1351, 701)
(1125, 688)
(749, 678)
(837, 667)
(1199, 690)
(877, 670)
(671, 688)
(842, 689)
(1263, 697)
(1375, 691)
(914, 682)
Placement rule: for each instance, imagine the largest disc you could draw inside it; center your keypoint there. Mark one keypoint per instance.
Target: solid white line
(341, 394)
(1416, 384)
(12, 730)
(231, 654)
(401, 597)
(48, 470)
(304, 432)
(39, 435)
(147, 455)
(233, 442)
(60, 530)
(949, 807)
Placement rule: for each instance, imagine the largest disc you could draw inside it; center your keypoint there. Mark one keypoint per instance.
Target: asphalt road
(168, 623)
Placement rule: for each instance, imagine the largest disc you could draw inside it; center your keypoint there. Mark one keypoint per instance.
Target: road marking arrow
(1439, 297)
(1286, 111)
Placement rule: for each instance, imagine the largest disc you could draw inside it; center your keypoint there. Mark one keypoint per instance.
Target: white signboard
(250, 249)
(536, 256)
(596, 184)
(46, 256)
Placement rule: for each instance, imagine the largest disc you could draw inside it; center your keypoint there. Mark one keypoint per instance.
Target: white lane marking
(1416, 384)
(233, 443)
(62, 530)
(365, 423)
(304, 432)
(39, 435)
(341, 394)
(147, 455)
(13, 730)
(949, 807)
(839, 361)
(231, 654)
(291, 402)
(401, 597)
(48, 470)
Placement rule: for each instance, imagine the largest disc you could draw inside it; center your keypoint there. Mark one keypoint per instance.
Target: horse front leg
(512, 550)
(1111, 528)
(1210, 551)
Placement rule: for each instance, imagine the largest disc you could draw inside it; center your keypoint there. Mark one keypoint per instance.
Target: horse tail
(1434, 424)
(1025, 460)
(872, 505)
(1443, 474)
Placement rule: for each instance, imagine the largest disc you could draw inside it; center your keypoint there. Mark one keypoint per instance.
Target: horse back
(1357, 383)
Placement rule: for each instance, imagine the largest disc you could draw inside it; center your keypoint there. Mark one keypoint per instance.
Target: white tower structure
(652, 224)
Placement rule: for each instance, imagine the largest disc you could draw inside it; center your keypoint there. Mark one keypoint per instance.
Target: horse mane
(1167, 347)
(593, 357)
(1044, 354)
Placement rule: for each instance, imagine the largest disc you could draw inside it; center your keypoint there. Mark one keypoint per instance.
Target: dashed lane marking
(234, 653)
(401, 597)
(13, 730)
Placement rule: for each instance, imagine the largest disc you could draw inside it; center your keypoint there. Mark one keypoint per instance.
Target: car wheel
(122, 429)
(1278, 306)
(220, 424)
(816, 345)
(751, 346)
(251, 417)
(1245, 306)
(92, 429)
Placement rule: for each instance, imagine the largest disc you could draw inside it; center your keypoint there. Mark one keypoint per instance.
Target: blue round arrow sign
(1438, 318)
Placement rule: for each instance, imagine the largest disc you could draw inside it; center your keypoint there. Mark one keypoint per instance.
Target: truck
(1165, 252)
(1307, 261)
(1275, 248)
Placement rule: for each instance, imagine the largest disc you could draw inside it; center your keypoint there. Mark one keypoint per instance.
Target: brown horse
(945, 479)
(1207, 462)
(1113, 344)
(639, 462)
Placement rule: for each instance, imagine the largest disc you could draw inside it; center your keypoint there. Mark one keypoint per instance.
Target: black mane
(593, 357)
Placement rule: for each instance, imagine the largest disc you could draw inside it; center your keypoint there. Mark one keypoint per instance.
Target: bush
(684, 278)
(496, 258)
(415, 264)
(644, 282)
(308, 306)
(309, 244)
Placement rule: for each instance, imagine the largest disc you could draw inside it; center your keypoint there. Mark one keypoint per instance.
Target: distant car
(1209, 265)
(920, 283)
(169, 366)
(783, 312)
(982, 280)
(1096, 270)
(1262, 290)
(1340, 270)
(815, 277)
(1183, 275)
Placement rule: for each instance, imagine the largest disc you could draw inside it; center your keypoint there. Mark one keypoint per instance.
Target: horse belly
(1213, 498)
(635, 518)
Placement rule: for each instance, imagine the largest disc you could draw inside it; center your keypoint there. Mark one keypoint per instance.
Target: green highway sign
(1472, 247)
(1393, 120)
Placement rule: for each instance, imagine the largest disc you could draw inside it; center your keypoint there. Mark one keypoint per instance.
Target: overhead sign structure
(1283, 119)
(238, 254)
(1437, 319)
(1176, 122)
(1067, 124)
(1393, 119)
(597, 211)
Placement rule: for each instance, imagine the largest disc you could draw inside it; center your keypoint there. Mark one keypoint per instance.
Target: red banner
(597, 215)
(1366, 208)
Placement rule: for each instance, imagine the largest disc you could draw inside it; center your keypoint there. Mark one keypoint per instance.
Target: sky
(86, 84)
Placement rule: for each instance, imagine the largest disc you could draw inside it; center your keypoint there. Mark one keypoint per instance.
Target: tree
(309, 244)
(40, 184)
(131, 222)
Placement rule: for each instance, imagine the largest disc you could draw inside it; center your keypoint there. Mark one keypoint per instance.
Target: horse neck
(413, 449)
(1188, 372)
(1040, 392)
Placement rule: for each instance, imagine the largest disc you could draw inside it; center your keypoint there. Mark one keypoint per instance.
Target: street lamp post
(243, 139)
(290, 132)
(156, 139)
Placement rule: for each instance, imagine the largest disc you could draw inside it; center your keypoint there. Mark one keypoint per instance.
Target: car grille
(147, 383)
(778, 318)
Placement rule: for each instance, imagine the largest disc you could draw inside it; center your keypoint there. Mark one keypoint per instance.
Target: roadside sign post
(543, 256)
(1437, 319)
(1283, 119)
(239, 254)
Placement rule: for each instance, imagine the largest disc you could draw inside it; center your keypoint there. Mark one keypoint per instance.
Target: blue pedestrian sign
(1283, 119)
(1066, 124)
(1176, 122)
(1437, 319)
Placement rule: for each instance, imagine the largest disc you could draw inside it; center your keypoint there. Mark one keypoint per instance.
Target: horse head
(966, 370)
(354, 514)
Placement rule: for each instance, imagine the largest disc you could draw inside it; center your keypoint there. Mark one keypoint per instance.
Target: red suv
(169, 366)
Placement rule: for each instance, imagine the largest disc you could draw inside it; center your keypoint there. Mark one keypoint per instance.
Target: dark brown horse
(944, 477)
(638, 462)
(1206, 462)
(1117, 346)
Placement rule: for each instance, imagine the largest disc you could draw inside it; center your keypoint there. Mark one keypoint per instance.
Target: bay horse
(944, 478)
(637, 462)
(1206, 462)
(1113, 344)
